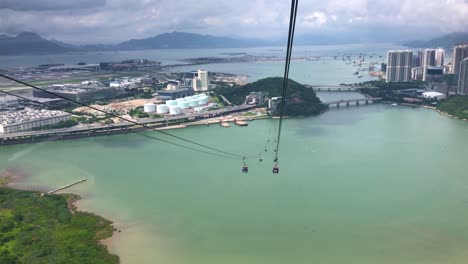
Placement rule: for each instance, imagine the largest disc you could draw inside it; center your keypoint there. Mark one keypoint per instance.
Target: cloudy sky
(111, 21)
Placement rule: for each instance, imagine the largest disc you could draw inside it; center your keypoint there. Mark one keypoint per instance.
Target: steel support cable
(292, 26)
(122, 118)
(134, 132)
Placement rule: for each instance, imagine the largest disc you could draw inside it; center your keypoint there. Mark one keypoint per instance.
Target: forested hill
(456, 106)
(41, 229)
(300, 100)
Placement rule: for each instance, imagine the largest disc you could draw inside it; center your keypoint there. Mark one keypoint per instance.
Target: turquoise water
(369, 184)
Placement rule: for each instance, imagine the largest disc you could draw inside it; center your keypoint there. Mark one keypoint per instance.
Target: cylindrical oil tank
(171, 103)
(175, 110)
(162, 109)
(149, 108)
(193, 102)
(180, 102)
(183, 105)
(203, 100)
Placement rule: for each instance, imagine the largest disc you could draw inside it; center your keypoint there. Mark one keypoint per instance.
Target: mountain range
(445, 41)
(32, 43)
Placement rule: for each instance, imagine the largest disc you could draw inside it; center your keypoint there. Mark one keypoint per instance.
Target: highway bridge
(331, 88)
(357, 101)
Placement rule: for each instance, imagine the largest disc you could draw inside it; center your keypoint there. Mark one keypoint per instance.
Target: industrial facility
(28, 119)
(80, 93)
(8, 102)
(197, 103)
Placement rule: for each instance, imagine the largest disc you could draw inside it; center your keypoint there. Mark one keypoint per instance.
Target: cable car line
(292, 26)
(122, 118)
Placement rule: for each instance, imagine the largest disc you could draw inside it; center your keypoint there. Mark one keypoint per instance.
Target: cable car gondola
(245, 168)
(276, 169)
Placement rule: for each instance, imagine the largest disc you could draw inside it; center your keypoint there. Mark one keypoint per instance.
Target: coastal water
(323, 70)
(368, 184)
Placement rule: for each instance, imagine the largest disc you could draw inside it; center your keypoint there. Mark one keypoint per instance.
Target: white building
(201, 82)
(12, 122)
(172, 87)
(434, 95)
(399, 64)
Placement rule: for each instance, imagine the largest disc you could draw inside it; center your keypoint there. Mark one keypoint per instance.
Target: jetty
(240, 123)
(64, 187)
(224, 124)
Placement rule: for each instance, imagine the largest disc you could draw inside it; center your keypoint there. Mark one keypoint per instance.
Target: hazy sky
(110, 21)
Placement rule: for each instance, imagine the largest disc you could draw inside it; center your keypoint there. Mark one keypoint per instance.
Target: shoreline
(11, 180)
(451, 116)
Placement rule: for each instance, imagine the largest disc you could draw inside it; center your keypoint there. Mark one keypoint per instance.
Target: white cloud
(117, 20)
(315, 19)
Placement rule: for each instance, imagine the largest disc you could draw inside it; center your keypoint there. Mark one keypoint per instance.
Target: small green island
(48, 229)
(300, 100)
(456, 106)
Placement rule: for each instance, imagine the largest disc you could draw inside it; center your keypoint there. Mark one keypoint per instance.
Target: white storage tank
(184, 105)
(149, 108)
(171, 103)
(203, 100)
(180, 102)
(193, 102)
(162, 109)
(175, 110)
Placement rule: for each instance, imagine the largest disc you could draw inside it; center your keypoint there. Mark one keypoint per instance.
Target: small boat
(394, 104)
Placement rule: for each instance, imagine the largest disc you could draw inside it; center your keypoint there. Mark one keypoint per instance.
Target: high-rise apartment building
(463, 77)
(201, 81)
(399, 64)
(439, 57)
(460, 52)
(429, 60)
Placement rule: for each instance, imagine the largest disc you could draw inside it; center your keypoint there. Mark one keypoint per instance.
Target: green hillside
(300, 100)
(456, 106)
(41, 229)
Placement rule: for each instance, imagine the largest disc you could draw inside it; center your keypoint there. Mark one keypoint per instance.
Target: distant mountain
(446, 41)
(30, 43)
(182, 40)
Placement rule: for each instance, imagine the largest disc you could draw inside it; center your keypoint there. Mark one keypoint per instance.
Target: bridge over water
(332, 88)
(358, 101)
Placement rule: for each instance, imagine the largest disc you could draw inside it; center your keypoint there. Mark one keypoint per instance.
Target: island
(37, 228)
(300, 100)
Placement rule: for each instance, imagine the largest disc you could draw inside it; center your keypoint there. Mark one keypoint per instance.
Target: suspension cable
(292, 26)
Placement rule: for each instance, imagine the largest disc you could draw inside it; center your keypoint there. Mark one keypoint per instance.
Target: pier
(64, 187)
(240, 123)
